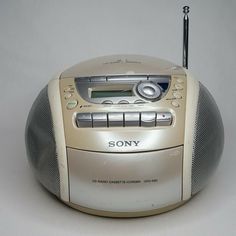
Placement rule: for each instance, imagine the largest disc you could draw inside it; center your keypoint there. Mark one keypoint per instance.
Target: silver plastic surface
(115, 119)
(163, 119)
(84, 120)
(99, 119)
(148, 119)
(128, 182)
(132, 119)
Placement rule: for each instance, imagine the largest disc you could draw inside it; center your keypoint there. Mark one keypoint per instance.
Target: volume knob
(149, 90)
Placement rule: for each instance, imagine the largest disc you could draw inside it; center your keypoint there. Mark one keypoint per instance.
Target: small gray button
(99, 120)
(84, 120)
(163, 119)
(115, 119)
(159, 79)
(123, 102)
(82, 79)
(132, 118)
(98, 79)
(107, 102)
(148, 119)
(139, 101)
(127, 78)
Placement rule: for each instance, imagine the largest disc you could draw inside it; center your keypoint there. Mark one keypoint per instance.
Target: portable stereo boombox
(125, 135)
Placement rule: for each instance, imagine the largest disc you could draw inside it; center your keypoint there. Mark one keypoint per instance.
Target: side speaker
(40, 143)
(208, 140)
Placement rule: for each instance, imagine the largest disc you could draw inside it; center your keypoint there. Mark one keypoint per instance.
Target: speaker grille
(208, 141)
(40, 143)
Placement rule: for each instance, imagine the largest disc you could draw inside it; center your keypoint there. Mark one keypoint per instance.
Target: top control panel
(122, 89)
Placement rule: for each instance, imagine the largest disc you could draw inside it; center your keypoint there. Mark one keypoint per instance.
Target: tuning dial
(149, 90)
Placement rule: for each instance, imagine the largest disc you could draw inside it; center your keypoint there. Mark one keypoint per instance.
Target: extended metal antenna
(185, 36)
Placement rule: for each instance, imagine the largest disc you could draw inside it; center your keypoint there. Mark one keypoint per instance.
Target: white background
(40, 38)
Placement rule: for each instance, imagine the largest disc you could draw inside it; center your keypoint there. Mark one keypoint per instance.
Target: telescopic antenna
(185, 36)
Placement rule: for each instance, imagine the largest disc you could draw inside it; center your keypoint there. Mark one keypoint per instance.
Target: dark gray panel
(40, 143)
(209, 140)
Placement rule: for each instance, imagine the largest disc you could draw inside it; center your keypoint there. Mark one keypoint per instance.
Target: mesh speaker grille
(40, 143)
(208, 141)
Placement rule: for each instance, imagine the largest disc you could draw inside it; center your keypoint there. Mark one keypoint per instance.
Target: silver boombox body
(124, 136)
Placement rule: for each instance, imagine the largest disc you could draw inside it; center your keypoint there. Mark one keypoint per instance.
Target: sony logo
(123, 143)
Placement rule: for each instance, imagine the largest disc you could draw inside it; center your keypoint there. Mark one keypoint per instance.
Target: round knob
(149, 90)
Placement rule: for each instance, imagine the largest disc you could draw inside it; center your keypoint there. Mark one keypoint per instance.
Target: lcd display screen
(111, 93)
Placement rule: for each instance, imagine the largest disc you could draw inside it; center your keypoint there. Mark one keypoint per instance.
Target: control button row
(120, 119)
(139, 101)
(178, 87)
